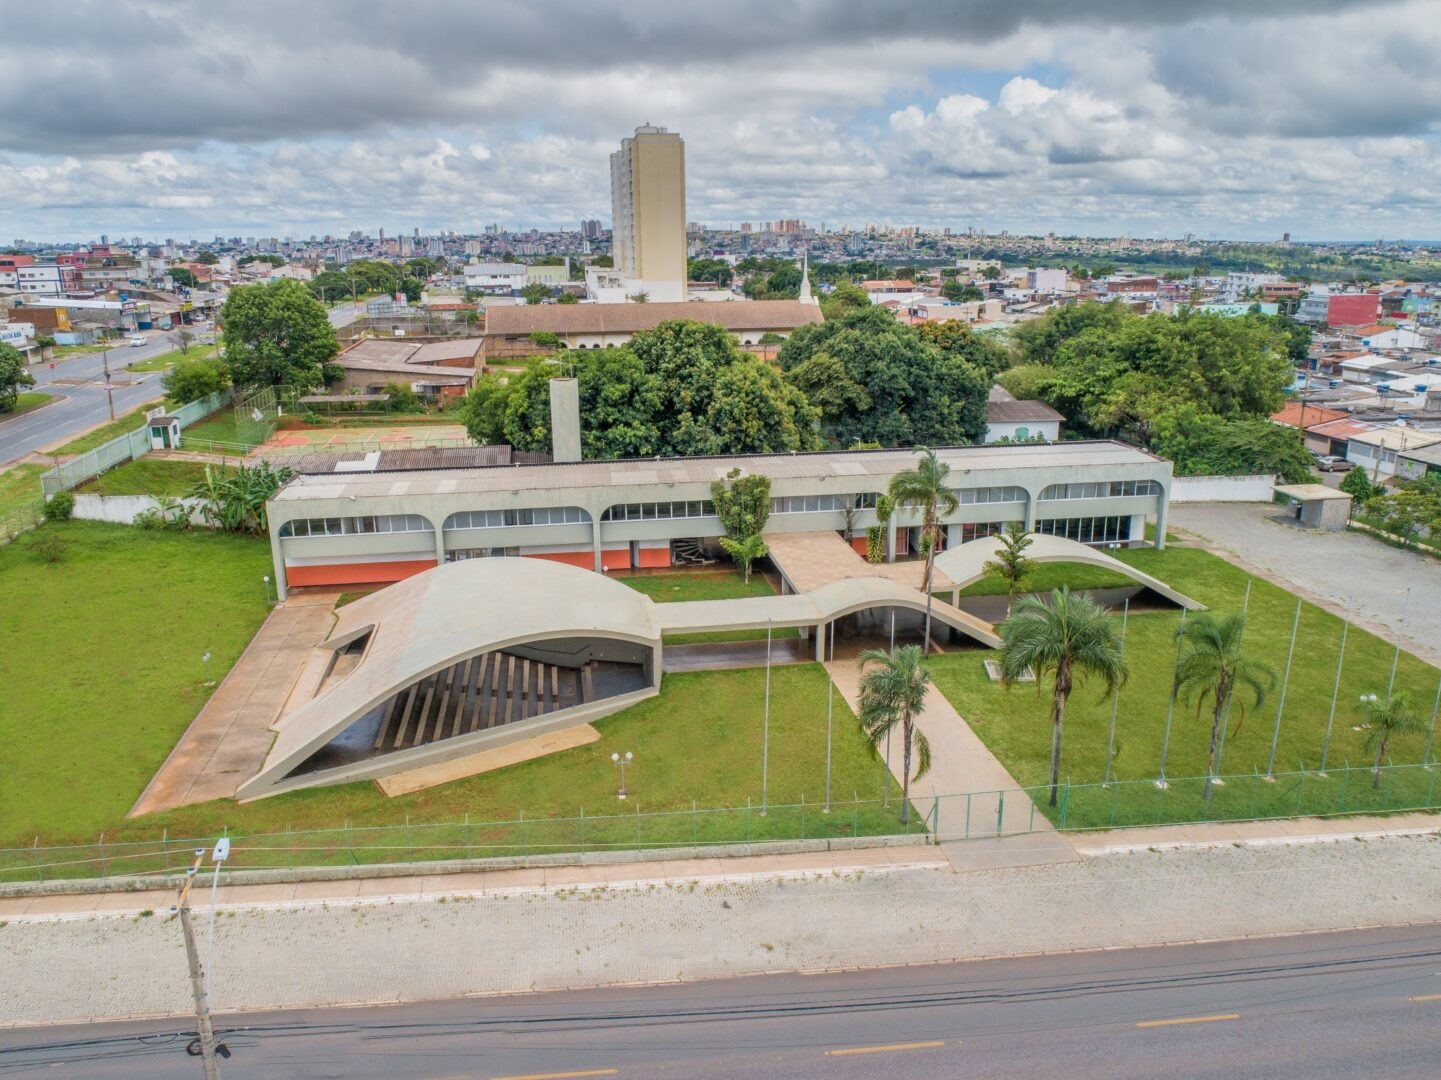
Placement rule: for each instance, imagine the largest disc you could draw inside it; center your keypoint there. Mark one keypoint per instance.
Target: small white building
(495, 277)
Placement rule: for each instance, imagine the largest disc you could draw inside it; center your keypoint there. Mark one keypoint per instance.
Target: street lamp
(622, 761)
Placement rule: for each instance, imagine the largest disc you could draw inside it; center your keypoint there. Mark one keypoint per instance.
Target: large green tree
(13, 376)
(1204, 444)
(899, 388)
(276, 334)
(195, 378)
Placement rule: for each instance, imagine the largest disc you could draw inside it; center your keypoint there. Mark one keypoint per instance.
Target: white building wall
(1186, 489)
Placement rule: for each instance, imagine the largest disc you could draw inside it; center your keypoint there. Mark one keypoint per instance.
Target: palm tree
(745, 551)
(1213, 665)
(924, 488)
(1065, 635)
(1387, 719)
(1011, 564)
(893, 691)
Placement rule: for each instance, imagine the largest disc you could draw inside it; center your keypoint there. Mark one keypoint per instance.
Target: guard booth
(164, 430)
(1315, 506)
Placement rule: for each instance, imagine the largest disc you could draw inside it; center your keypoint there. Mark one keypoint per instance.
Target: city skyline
(1314, 119)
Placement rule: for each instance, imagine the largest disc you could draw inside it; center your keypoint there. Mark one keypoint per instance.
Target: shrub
(51, 546)
(60, 506)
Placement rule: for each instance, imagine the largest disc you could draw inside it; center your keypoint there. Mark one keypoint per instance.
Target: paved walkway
(1339, 571)
(413, 939)
(226, 744)
(1010, 831)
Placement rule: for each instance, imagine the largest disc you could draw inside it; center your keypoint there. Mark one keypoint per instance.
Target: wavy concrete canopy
(965, 564)
(436, 619)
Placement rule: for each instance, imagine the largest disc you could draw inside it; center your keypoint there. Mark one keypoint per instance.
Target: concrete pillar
(821, 642)
(1162, 505)
(439, 542)
(891, 539)
(278, 559)
(1030, 511)
(657, 663)
(595, 540)
(953, 536)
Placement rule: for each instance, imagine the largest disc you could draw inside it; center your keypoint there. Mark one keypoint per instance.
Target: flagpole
(1171, 706)
(1335, 688)
(766, 731)
(830, 707)
(1116, 696)
(1281, 704)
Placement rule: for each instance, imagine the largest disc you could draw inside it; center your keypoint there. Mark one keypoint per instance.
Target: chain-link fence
(974, 815)
(21, 519)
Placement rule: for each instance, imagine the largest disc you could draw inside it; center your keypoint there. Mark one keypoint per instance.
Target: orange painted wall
(654, 557)
(366, 573)
(858, 543)
(583, 559)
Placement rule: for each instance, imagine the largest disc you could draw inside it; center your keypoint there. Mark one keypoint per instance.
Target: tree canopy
(12, 376)
(275, 334)
(682, 388)
(878, 381)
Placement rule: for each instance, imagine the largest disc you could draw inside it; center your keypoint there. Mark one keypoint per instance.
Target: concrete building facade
(647, 193)
(359, 528)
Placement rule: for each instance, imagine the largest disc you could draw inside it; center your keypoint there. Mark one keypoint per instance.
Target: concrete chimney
(564, 420)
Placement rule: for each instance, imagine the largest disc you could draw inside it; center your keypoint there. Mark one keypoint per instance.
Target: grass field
(147, 476)
(1015, 723)
(707, 585)
(220, 426)
(24, 403)
(173, 357)
(1050, 576)
(19, 487)
(101, 668)
(103, 434)
(107, 675)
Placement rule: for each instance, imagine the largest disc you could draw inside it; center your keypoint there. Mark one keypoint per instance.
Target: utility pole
(105, 360)
(197, 976)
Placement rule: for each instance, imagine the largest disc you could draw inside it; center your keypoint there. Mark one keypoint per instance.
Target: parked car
(1332, 463)
(138, 340)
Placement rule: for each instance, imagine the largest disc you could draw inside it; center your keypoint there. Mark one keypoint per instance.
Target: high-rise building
(591, 228)
(647, 195)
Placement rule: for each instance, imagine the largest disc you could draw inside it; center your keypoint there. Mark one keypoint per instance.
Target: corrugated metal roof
(630, 318)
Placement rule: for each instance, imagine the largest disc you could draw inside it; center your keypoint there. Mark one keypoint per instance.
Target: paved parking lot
(1335, 568)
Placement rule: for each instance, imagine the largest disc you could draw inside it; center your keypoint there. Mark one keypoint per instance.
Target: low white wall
(121, 509)
(1187, 489)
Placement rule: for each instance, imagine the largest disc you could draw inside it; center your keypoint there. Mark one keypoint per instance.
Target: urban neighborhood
(592, 624)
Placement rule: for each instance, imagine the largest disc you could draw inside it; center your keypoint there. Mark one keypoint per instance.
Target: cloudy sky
(1138, 117)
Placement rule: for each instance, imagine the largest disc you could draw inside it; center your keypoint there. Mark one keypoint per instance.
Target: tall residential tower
(647, 195)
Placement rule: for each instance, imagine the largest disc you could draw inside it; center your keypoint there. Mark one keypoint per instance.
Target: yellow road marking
(884, 1049)
(1189, 1020)
(561, 1076)
(1426, 997)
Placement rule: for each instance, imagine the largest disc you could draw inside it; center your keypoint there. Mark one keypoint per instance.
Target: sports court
(380, 437)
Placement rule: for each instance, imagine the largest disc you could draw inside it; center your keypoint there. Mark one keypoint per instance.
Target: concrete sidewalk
(310, 947)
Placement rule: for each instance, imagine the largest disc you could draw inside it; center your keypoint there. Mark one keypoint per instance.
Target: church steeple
(806, 297)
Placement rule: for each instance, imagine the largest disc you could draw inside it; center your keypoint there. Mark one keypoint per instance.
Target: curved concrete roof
(435, 619)
(830, 601)
(965, 564)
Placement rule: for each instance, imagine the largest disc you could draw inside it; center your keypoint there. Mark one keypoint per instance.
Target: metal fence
(21, 519)
(117, 451)
(975, 815)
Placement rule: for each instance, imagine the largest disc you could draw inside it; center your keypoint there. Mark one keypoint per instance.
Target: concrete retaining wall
(1192, 489)
(121, 509)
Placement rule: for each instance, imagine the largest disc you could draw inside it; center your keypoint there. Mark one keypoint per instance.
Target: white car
(139, 340)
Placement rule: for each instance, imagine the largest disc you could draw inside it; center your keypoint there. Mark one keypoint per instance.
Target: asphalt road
(1318, 1006)
(78, 384)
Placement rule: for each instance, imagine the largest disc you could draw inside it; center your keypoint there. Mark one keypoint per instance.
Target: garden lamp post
(206, 660)
(266, 579)
(622, 760)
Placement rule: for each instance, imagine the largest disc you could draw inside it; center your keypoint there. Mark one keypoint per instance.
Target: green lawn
(24, 403)
(113, 430)
(1015, 723)
(101, 667)
(147, 476)
(1050, 576)
(170, 359)
(63, 352)
(19, 487)
(707, 585)
(108, 675)
(220, 426)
